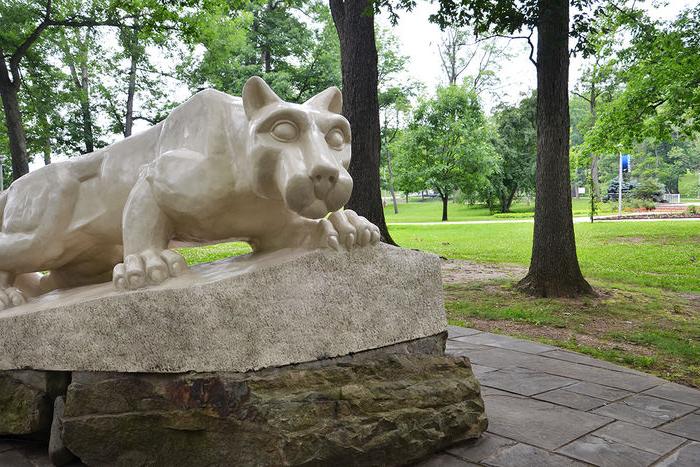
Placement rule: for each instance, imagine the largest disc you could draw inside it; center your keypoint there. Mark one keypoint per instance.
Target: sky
(419, 38)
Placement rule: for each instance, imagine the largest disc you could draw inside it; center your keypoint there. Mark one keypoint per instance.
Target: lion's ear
(256, 95)
(330, 100)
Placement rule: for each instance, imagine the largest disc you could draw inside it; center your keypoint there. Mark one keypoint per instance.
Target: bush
(649, 189)
(644, 204)
(692, 210)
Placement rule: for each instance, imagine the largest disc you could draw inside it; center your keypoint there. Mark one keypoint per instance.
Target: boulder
(58, 453)
(26, 400)
(385, 410)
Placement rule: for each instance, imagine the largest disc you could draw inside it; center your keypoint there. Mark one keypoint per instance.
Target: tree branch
(587, 99)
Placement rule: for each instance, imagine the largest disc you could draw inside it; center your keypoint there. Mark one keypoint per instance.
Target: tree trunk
(88, 134)
(595, 179)
(594, 158)
(358, 53)
(554, 269)
(46, 137)
(445, 200)
(509, 200)
(131, 90)
(391, 181)
(15, 130)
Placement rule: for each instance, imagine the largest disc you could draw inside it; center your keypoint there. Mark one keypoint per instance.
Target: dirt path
(457, 270)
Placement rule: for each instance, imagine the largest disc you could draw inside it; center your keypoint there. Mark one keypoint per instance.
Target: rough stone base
(26, 400)
(388, 410)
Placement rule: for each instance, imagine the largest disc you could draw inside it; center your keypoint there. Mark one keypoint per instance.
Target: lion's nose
(324, 178)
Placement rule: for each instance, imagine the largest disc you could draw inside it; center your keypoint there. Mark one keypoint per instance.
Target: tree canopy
(447, 146)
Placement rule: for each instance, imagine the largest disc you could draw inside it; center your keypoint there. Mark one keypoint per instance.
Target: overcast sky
(419, 39)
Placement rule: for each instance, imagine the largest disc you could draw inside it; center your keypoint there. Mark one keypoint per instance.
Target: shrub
(644, 204)
(649, 189)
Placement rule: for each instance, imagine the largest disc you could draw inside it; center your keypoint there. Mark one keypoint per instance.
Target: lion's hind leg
(35, 215)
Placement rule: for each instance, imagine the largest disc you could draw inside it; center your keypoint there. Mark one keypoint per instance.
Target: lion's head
(300, 152)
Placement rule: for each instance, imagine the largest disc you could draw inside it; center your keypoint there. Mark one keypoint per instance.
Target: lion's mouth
(301, 197)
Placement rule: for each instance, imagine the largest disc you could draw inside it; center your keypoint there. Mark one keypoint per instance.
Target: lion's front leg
(146, 233)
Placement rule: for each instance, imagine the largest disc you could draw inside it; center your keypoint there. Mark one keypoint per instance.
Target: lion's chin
(316, 210)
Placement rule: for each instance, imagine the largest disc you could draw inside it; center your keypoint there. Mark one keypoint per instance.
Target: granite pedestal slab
(235, 315)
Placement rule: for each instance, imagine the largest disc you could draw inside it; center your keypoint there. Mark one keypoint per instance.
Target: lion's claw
(349, 229)
(11, 296)
(147, 268)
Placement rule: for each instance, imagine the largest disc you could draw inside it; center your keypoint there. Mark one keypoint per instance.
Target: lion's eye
(335, 139)
(285, 131)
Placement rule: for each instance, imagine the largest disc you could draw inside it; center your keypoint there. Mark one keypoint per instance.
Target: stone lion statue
(253, 168)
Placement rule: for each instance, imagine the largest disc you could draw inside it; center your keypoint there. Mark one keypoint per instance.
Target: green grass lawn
(431, 211)
(650, 254)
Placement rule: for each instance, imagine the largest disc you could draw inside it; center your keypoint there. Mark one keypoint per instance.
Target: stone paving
(552, 407)
(547, 407)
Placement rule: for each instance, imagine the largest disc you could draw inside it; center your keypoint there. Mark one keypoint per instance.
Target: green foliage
(447, 145)
(516, 144)
(648, 189)
(661, 72)
(270, 40)
(689, 185)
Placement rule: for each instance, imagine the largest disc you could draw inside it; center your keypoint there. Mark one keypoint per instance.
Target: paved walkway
(551, 407)
(548, 407)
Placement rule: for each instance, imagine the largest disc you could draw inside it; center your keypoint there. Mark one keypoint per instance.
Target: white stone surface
(219, 167)
(238, 314)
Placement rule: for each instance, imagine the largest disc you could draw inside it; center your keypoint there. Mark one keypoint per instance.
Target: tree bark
(15, 129)
(131, 90)
(88, 134)
(594, 158)
(46, 137)
(554, 269)
(445, 199)
(358, 53)
(391, 181)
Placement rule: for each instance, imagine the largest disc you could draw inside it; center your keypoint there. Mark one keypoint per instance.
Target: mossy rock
(26, 400)
(387, 411)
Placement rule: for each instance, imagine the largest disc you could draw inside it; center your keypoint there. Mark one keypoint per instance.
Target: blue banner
(626, 161)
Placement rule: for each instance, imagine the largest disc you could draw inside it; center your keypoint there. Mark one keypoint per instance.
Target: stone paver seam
(645, 393)
(658, 427)
(459, 458)
(671, 452)
(543, 354)
(598, 367)
(582, 436)
(515, 441)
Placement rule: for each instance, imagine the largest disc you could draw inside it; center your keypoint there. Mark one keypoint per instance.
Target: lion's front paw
(348, 229)
(11, 296)
(148, 267)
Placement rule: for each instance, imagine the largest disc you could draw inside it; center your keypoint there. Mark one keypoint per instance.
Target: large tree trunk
(554, 269)
(358, 53)
(15, 130)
